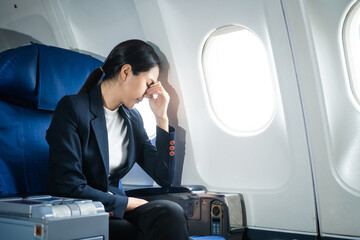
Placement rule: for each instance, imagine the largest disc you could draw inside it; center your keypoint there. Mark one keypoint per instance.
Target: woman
(95, 138)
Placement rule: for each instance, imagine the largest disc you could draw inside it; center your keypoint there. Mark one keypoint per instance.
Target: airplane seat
(33, 78)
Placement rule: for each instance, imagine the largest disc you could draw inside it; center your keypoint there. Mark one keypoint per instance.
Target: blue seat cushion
(33, 79)
(24, 153)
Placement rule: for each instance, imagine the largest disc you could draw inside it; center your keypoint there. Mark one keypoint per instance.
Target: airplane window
(238, 79)
(351, 40)
(148, 117)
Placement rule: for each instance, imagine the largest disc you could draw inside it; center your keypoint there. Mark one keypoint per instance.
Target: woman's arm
(159, 105)
(157, 161)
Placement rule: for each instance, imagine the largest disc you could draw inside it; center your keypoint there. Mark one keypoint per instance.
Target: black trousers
(156, 220)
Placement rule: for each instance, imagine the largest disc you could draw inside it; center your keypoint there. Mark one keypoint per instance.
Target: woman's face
(135, 86)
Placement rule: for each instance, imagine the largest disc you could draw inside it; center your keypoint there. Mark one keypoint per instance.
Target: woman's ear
(124, 72)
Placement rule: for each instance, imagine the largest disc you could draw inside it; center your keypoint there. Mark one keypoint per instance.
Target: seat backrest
(33, 79)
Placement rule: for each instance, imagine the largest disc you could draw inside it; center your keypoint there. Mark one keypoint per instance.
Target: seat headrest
(62, 72)
(18, 69)
(41, 75)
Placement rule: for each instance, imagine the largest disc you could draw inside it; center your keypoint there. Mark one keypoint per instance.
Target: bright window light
(238, 79)
(148, 117)
(351, 39)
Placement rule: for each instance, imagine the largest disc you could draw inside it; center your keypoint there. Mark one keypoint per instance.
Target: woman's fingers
(155, 91)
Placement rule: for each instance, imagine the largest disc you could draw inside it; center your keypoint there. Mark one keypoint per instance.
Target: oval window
(238, 79)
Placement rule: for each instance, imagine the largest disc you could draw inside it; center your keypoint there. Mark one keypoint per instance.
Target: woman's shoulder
(72, 102)
(74, 99)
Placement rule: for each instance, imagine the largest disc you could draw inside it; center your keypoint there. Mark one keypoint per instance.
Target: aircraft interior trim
(264, 100)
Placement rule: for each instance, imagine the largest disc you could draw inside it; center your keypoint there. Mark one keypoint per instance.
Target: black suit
(79, 157)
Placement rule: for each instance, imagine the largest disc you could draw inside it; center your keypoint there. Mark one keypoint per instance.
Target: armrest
(143, 191)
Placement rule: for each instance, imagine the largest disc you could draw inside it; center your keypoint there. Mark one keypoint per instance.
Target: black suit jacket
(79, 156)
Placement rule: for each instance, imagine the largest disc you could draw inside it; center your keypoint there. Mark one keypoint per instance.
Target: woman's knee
(171, 210)
(122, 229)
(160, 219)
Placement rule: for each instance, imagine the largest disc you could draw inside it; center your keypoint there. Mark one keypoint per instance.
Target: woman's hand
(159, 104)
(134, 203)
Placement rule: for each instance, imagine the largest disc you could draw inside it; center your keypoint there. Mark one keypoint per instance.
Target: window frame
(226, 30)
(351, 45)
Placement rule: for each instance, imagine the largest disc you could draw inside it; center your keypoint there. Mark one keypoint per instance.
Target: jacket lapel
(98, 124)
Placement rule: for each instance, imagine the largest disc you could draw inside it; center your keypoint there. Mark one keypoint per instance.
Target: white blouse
(118, 140)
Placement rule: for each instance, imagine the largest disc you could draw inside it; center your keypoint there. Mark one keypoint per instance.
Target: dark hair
(140, 55)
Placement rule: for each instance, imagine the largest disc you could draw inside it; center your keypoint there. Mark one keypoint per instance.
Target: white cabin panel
(70, 24)
(332, 110)
(270, 167)
(22, 22)
(106, 23)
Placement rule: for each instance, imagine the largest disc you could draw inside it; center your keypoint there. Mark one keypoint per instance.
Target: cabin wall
(271, 168)
(331, 109)
(300, 169)
(89, 26)
(26, 21)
